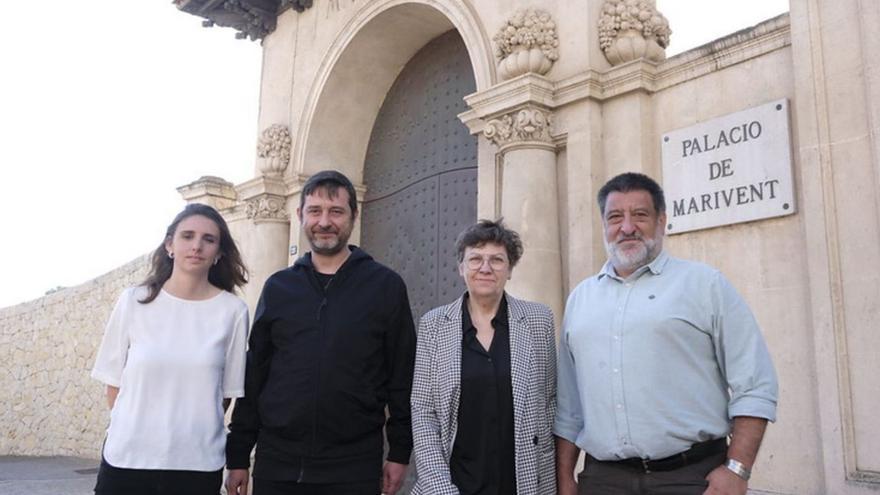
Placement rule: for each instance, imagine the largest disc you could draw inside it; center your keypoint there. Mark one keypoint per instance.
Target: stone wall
(51, 405)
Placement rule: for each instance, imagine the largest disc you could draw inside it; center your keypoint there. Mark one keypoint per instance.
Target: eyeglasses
(496, 263)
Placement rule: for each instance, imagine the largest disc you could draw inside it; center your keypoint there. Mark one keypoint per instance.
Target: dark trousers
(603, 478)
(271, 487)
(121, 481)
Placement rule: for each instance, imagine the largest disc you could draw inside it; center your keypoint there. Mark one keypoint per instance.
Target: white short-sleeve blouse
(174, 360)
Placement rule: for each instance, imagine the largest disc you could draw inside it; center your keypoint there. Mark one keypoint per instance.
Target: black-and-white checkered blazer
(437, 390)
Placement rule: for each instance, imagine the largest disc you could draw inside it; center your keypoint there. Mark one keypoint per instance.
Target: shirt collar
(655, 267)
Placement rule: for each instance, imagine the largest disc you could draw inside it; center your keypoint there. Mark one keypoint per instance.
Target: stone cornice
(212, 191)
(261, 185)
(527, 89)
(767, 37)
(638, 75)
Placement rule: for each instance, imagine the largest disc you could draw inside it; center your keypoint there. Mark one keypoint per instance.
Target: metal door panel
(420, 172)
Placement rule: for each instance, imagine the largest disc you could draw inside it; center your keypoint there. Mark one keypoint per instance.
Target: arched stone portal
(334, 128)
(356, 74)
(340, 125)
(421, 173)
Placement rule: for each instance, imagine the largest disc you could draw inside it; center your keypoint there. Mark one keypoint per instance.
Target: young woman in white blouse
(172, 356)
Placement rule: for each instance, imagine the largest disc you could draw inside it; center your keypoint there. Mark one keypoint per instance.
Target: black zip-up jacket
(322, 365)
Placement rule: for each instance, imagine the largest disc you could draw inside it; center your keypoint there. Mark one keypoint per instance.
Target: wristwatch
(738, 469)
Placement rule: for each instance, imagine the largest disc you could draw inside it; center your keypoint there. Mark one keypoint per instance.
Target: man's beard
(328, 247)
(633, 258)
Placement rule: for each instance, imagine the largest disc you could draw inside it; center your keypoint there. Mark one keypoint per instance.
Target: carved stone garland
(526, 43)
(527, 124)
(632, 29)
(273, 149)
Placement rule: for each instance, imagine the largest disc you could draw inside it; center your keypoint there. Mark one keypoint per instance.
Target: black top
(324, 279)
(482, 460)
(324, 359)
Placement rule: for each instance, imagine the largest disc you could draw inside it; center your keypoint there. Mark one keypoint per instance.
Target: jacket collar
(357, 255)
(515, 309)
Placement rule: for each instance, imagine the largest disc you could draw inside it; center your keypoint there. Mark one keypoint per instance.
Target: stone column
(529, 201)
(837, 113)
(263, 221)
(266, 228)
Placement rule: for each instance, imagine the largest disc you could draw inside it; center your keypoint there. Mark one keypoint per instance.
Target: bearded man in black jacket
(331, 346)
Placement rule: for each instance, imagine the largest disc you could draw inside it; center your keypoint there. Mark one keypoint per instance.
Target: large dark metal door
(421, 173)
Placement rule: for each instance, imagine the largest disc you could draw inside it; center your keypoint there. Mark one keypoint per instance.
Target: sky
(107, 106)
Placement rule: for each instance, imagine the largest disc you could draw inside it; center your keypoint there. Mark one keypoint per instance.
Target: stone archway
(378, 41)
(421, 173)
(352, 83)
(356, 75)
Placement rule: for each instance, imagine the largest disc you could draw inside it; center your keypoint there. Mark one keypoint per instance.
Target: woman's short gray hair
(487, 231)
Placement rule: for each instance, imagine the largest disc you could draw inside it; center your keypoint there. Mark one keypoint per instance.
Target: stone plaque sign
(735, 168)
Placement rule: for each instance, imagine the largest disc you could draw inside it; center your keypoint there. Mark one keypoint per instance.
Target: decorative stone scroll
(526, 43)
(632, 29)
(266, 207)
(527, 124)
(273, 149)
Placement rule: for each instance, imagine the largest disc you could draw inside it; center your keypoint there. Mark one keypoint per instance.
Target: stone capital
(264, 199)
(267, 207)
(528, 126)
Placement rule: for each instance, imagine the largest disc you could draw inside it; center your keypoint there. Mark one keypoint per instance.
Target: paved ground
(75, 476)
(62, 476)
(47, 475)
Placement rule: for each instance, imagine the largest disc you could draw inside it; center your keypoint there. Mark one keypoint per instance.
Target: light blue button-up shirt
(651, 364)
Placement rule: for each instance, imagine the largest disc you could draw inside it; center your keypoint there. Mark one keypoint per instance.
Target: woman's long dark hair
(228, 273)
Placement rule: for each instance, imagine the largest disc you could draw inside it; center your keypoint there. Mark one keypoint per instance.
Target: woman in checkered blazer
(484, 389)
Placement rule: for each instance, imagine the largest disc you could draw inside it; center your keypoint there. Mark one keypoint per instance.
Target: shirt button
(620, 406)
(616, 337)
(616, 370)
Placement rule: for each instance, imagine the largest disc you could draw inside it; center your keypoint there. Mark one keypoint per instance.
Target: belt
(696, 453)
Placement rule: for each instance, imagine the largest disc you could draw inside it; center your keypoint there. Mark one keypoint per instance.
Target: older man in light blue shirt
(660, 360)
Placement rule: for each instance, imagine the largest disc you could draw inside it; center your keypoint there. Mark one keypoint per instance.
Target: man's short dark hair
(487, 231)
(632, 181)
(331, 181)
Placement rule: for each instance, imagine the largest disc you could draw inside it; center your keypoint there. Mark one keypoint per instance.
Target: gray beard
(634, 259)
